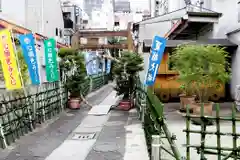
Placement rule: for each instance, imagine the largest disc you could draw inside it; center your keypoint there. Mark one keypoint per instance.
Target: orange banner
(8, 61)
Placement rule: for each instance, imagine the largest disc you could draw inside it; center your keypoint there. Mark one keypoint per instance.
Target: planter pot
(74, 103)
(125, 105)
(207, 108)
(186, 100)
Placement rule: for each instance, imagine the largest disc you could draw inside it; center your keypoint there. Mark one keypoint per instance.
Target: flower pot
(125, 105)
(186, 101)
(207, 108)
(74, 103)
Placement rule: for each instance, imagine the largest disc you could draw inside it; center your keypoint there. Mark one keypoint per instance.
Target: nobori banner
(9, 61)
(29, 52)
(157, 51)
(52, 72)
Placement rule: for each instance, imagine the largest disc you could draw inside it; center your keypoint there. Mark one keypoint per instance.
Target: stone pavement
(104, 136)
(122, 138)
(77, 135)
(40, 143)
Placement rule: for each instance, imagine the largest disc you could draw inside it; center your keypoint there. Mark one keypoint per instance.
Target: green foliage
(125, 71)
(75, 82)
(23, 67)
(201, 68)
(71, 58)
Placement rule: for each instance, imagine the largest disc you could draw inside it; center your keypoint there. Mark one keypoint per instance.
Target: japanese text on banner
(29, 52)
(9, 62)
(52, 72)
(155, 59)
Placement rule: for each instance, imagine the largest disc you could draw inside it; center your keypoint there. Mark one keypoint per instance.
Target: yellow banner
(8, 61)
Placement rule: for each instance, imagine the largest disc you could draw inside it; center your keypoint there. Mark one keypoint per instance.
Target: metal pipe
(155, 153)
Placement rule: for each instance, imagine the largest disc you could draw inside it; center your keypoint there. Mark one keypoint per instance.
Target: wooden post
(129, 38)
(3, 136)
(75, 41)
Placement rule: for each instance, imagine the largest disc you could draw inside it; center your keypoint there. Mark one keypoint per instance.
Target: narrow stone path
(122, 138)
(40, 143)
(85, 134)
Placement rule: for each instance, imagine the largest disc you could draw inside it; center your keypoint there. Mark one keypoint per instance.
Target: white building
(211, 19)
(40, 16)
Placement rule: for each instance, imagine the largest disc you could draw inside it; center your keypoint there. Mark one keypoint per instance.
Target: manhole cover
(83, 136)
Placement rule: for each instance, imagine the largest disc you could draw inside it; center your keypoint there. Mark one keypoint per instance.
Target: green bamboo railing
(222, 153)
(19, 112)
(152, 115)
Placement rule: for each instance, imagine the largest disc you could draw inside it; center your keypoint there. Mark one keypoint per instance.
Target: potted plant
(72, 65)
(125, 70)
(74, 84)
(206, 67)
(186, 97)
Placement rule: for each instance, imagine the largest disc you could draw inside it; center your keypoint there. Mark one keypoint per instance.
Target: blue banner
(108, 67)
(27, 43)
(157, 51)
(91, 62)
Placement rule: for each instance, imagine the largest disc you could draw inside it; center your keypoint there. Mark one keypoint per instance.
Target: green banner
(52, 72)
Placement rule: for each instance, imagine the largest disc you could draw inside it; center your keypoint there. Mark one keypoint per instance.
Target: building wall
(28, 13)
(102, 17)
(229, 9)
(14, 13)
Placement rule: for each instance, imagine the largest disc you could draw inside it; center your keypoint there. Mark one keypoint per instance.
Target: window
(56, 32)
(66, 15)
(60, 33)
(116, 23)
(238, 5)
(85, 21)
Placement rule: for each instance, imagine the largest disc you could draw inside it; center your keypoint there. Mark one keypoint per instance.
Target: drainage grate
(83, 136)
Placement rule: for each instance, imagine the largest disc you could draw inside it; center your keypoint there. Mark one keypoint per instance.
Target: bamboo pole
(21, 79)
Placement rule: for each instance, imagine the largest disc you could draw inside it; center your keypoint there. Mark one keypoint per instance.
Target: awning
(175, 43)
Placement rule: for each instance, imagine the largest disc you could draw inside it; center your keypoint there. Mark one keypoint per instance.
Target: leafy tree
(201, 68)
(125, 70)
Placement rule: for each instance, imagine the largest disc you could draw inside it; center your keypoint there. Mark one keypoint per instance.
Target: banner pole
(40, 76)
(59, 81)
(20, 74)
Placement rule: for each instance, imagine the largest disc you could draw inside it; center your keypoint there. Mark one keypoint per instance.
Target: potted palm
(72, 65)
(206, 67)
(125, 70)
(74, 84)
